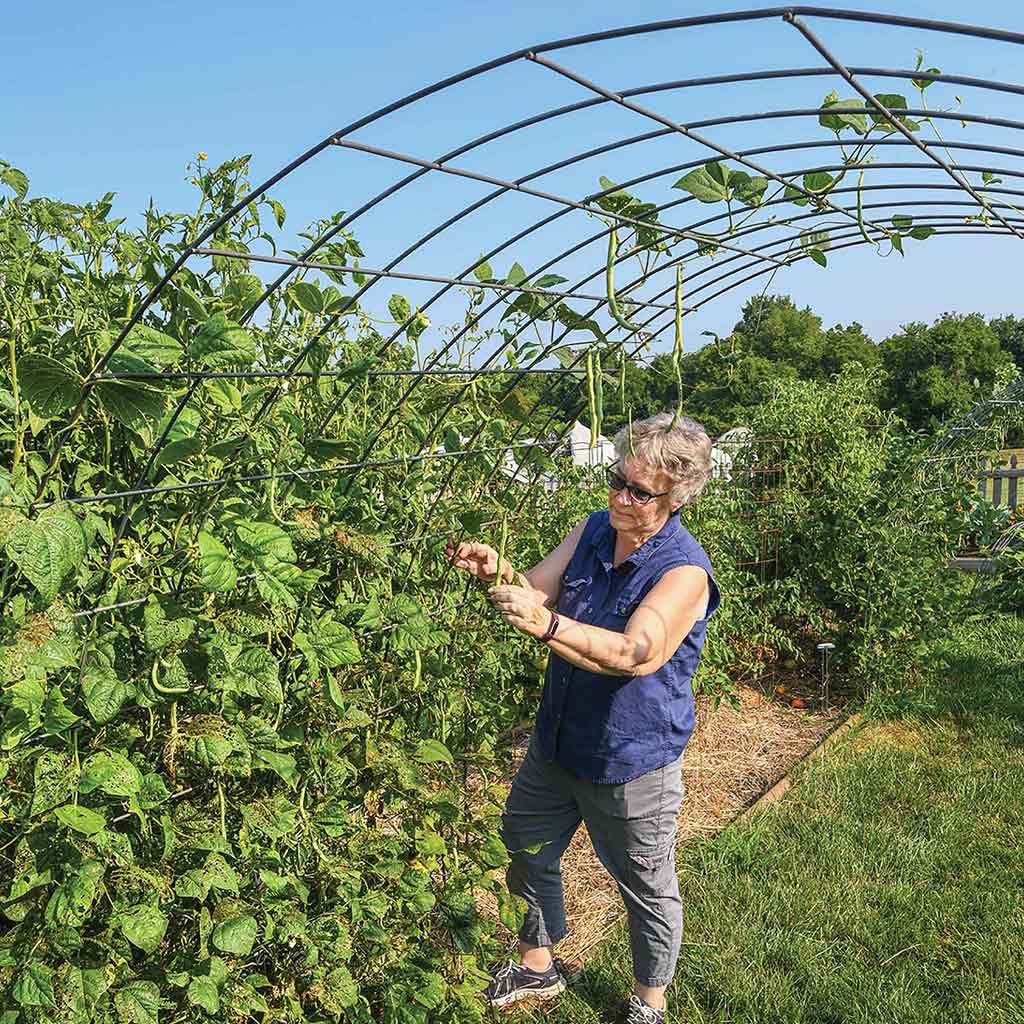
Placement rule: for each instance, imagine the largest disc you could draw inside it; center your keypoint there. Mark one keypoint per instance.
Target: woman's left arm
(657, 627)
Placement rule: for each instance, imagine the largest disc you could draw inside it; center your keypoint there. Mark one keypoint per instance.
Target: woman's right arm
(546, 576)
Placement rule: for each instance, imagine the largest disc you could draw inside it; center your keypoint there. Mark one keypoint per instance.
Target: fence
(999, 476)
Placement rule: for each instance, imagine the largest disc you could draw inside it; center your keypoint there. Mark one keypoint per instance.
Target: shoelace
(504, 976)
(641, 1013)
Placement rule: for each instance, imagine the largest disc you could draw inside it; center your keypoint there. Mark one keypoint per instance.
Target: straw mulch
(733, 757)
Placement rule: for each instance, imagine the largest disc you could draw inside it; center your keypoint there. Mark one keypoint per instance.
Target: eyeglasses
(617, 482)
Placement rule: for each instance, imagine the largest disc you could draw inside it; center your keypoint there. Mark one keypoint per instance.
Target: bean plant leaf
(818, 181)
(709, 184)
(154, 346)
(81, 819)
(493, 853)
(49, 387)
(433, 751)
(144, 926)
(15, 180)
(221, 343)
(47, 549)
(203, 992)
(138, 406)
(216, 569)
(235, 935)
(138, 1003)
(104, 693)
(112, 772)
(34, 986)
(399, 308)
(483, 272)
(849, 118)
(308, 297)
(747, 189)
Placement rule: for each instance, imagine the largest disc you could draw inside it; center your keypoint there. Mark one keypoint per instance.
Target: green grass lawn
(888, 885)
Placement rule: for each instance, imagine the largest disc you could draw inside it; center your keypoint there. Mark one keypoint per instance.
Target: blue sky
(118, 96)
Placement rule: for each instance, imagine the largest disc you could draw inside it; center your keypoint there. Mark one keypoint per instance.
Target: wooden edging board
(779, 790)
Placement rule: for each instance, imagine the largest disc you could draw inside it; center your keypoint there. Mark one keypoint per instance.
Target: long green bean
(609, 278)
(677, 348)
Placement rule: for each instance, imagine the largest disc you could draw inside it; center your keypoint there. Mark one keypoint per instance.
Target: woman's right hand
(479, 559)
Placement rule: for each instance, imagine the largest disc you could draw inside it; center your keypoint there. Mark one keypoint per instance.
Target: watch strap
(552, 628)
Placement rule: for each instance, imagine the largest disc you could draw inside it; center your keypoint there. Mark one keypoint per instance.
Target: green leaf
(138, 406)
(154, 346)
(81, 819)
(818, 256)
(34, 986)
(795, 196)
(47, 549)
(49, 387)
(235, 935)
(144, 926)
(709, 183)
(493, 853)
(922, 232)
(308, 297)
(516, 275)
(279, 211)
(220, 874)
(264, 542)
(220, 343)
(748, 190)
(399, 308)
(202, 992)
(112, 772)
(333, 643)
(901, 221)
(138, 1003)
(483, 272)
(54, 781)
(104, 693)
(216, 569)
(340, 990)
(851, 119)
(818, 181)
(283, 765)
(15, 180)
(165, 625)
(432, 751)
(257, 673)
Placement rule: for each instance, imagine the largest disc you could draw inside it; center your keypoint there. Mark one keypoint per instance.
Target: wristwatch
(552, 628)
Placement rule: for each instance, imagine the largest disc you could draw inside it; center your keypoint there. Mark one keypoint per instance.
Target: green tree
(774, 340)
(1010, 332)
(939, 371)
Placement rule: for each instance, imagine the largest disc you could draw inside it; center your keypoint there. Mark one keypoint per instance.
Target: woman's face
(626, 513)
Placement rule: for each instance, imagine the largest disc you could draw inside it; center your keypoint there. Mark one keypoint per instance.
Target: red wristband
(552, 628)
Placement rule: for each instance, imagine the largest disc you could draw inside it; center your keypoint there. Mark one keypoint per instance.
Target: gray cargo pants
(633, 828)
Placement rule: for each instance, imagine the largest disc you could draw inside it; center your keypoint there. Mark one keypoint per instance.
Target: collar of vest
(603, 542)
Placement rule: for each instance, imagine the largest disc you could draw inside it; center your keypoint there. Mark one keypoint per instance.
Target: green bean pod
(592, 398)
(609, 279)
(677, 348)
(502, 541)
(598, 394)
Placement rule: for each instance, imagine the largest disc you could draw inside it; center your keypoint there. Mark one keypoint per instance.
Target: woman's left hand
(521, 608)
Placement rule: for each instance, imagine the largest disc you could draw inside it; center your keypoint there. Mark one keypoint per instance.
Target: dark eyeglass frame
(617, 482)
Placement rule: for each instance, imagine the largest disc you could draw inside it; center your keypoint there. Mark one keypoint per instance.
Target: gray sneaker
(636, 1011)
(512, 982)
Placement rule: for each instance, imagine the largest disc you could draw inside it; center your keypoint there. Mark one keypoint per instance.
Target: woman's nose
(622, 497)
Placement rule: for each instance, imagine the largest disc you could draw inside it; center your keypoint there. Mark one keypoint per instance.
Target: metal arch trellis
(762, 259)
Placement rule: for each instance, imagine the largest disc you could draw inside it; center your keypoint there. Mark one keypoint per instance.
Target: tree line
(928, 374)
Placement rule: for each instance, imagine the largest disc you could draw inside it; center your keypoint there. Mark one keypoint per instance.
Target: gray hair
(683, 451)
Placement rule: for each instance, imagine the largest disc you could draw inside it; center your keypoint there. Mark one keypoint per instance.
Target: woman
(623, 604)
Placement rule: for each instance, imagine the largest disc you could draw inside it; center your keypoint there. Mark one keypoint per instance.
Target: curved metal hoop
(939, 189)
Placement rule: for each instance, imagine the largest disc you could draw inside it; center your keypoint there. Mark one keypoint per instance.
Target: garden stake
(824, 648)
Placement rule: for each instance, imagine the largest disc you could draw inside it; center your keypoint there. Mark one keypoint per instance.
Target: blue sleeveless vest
(611, 729)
